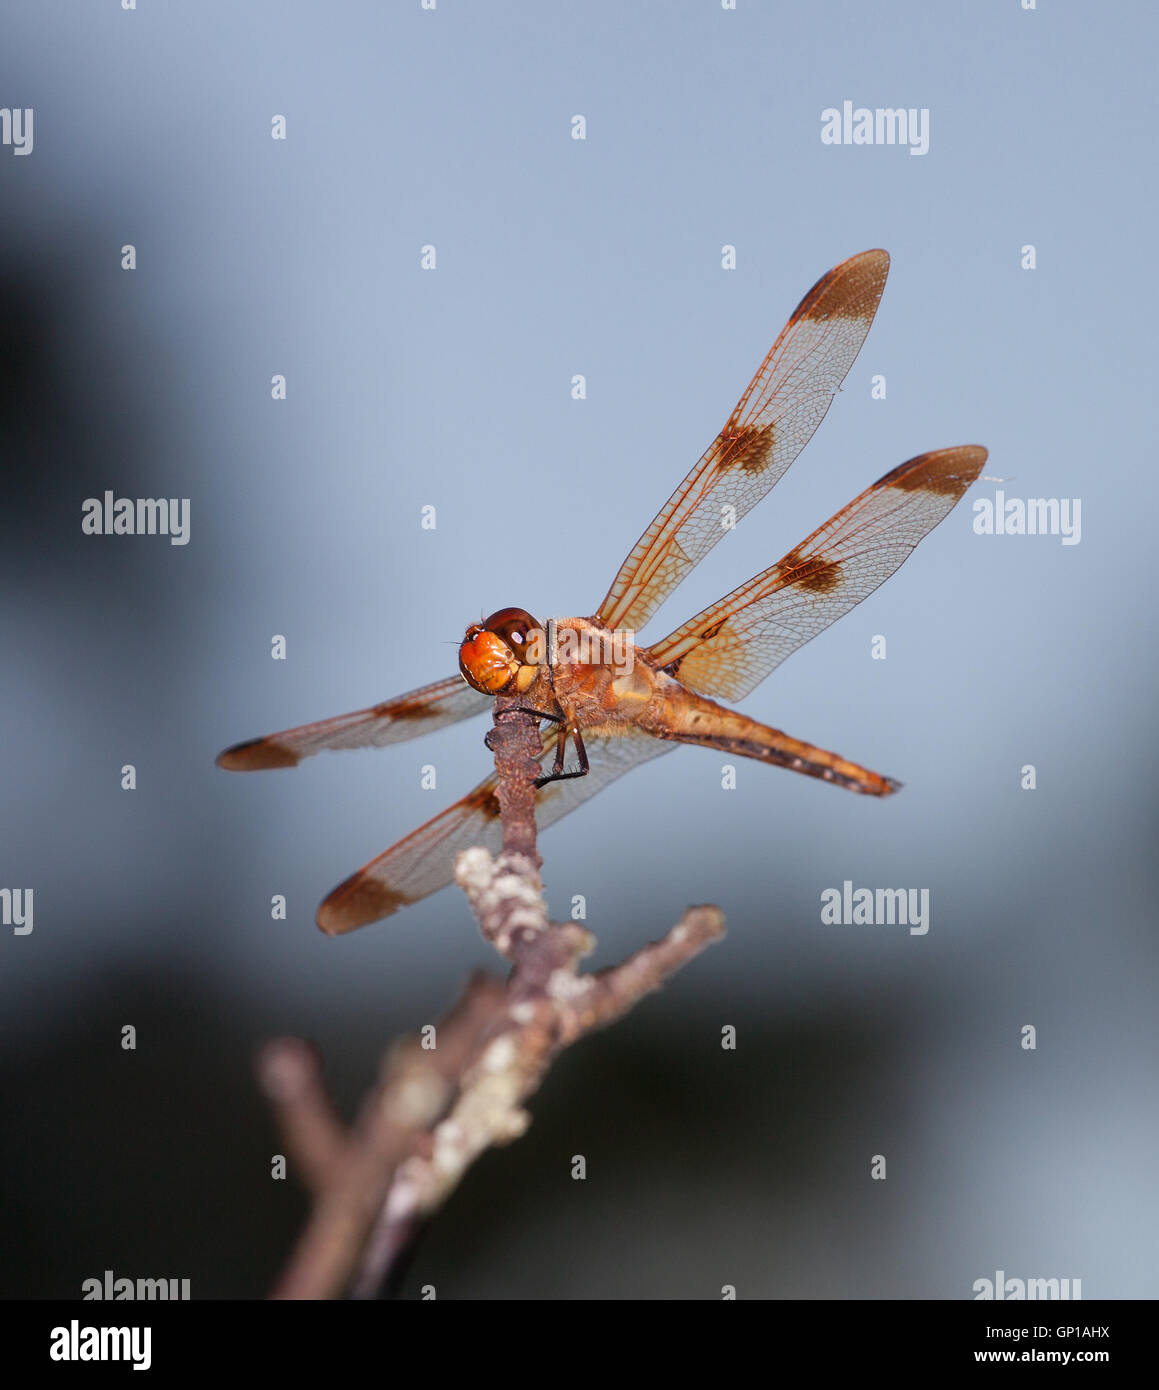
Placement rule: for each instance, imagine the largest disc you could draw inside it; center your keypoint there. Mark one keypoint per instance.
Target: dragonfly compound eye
(516, 627)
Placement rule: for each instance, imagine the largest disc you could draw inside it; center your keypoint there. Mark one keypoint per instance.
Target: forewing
(773, 421)
(425, 860)
(731, 647)
(419, 712)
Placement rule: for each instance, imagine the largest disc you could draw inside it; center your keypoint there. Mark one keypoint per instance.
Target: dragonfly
(617, 703)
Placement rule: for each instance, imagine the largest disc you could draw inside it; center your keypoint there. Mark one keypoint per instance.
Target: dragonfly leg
(557, 773)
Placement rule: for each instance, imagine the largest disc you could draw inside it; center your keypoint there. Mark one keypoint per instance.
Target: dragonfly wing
(406, 716)
(424, 862)
(773, 421)
(729, 648)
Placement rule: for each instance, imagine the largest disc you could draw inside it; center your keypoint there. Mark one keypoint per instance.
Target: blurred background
(451, 388)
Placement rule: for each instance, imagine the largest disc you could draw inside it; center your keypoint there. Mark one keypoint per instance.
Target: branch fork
(434, 1111)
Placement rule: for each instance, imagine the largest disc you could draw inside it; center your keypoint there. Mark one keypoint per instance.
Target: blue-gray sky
(452, 388)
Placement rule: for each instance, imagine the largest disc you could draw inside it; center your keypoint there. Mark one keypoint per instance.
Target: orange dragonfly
(620, 704)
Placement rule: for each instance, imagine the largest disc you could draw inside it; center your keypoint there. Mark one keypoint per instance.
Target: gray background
(555, 257)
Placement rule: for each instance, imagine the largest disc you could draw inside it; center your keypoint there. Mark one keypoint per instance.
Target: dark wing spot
(408, 709)
(357, 901)
(850, 290)
(710, 632)
(947, 472)
(811, 572)
(746, 449)
(256, 755)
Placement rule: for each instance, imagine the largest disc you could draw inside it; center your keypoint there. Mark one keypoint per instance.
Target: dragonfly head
(502, 654)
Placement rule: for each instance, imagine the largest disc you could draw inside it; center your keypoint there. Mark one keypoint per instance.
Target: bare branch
(436, 1108)
(516, 743)
(290, 1074)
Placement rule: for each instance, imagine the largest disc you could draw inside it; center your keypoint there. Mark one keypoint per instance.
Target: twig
(435, 1110)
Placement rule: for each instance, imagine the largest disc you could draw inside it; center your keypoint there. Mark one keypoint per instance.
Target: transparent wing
(425, 860)
(773, 421)
(419, 712)
(729, 648)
